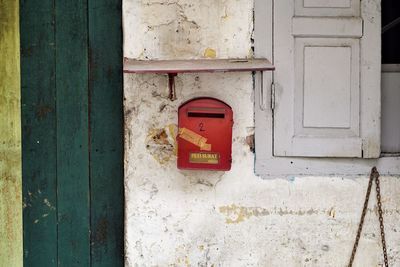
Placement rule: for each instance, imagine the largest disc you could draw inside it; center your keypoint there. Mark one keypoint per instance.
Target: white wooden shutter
(327, 78)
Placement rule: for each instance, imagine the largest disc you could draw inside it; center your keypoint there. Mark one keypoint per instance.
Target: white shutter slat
(327, 27)
(320, 147)
(371, 78)
(327, 8)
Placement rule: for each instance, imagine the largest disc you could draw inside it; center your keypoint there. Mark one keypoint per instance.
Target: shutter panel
(327, 92)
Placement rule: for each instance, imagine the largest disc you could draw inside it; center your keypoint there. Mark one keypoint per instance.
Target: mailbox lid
(205, 139)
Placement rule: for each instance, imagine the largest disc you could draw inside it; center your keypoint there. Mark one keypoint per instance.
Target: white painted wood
(336, 124)
(371, 78)
(327, 27)
(325, 92)
(270, 167)
(276, 167)
(327, 8)
(390, 109)
(318, 110)
(332, 91)
(284, 78)
(263, 48)
(329, 3)
(321, 147)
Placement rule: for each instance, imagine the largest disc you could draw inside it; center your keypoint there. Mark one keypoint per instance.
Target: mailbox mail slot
(205, 135)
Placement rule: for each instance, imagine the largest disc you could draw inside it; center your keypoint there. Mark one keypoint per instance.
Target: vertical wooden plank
(72, 133)
(263, 40)
(39, 132)
(106, 130)
(371, 79)
(10, 137)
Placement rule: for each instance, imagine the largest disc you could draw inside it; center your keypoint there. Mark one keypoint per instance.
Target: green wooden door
(72, 137)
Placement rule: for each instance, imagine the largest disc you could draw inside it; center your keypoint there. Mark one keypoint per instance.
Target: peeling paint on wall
(10, 137)
(187, 29)
(161, 143)
(237, 214)
(201, 218)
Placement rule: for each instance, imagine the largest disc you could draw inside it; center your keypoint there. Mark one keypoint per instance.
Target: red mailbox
(205, 135)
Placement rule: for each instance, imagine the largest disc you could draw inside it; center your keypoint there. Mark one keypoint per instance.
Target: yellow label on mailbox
(205, 158)
(195, 139)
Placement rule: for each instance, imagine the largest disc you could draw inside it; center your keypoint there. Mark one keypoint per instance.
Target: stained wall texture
(10, 137)
(235, 218)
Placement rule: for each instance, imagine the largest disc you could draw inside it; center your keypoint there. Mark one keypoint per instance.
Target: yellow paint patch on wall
(237, 214)
(10, 137)
(210, 53)
(182, 258)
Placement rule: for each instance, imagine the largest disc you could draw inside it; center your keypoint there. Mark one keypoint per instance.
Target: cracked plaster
(186, 218)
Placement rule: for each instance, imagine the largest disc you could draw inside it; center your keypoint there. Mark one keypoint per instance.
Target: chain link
(381, 225)
(374, 176)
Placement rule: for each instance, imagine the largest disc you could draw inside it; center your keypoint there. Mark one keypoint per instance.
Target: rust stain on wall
(250, 141)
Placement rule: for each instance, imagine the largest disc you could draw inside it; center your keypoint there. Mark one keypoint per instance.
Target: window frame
(388, 69)
(266, 164)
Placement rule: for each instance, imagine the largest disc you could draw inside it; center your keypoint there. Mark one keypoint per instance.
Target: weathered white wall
(195, 218)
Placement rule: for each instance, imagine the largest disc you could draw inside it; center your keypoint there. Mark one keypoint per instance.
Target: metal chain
(364, 212)
(380, 213)
(374, 176)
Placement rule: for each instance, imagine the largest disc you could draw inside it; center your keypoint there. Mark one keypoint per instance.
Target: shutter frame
(293, 25)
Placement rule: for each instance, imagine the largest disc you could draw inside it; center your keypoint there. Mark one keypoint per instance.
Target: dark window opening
(390, 32)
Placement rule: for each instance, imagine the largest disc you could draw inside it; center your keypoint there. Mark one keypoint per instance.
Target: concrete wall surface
(235, 218)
